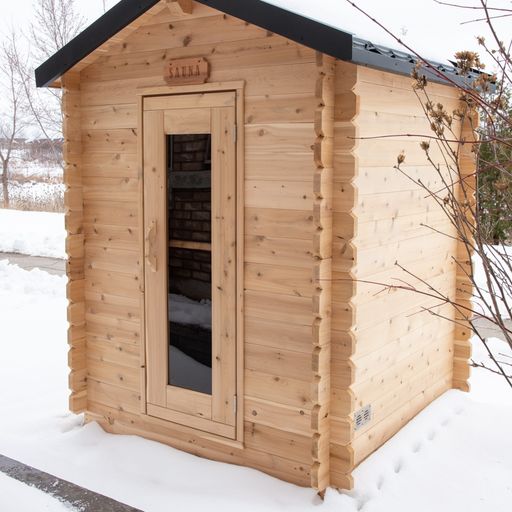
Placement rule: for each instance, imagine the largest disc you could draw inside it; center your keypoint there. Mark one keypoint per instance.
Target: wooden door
(190, 259)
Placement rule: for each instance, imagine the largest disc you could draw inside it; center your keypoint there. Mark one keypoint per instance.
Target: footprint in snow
(399, 464)
(361, 502)
(431, 435)
(417, 447)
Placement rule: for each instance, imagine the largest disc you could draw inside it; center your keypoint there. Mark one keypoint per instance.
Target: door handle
(150, 240)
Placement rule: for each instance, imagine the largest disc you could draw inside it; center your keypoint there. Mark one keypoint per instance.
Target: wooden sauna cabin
(223, 205)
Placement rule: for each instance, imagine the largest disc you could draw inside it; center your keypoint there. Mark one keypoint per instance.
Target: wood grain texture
(73, 199)
(395, 358)
(344, 286)
(322, 273)
(275, 294)
(322, 209)
(464, 288)
(193, 441)
(116, 39)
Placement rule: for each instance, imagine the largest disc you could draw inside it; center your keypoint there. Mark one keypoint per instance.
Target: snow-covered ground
(35, 184)
(23, 164)
(17, 497)
(33, 233)
(500, 256)
(36, 194)
(456, 455)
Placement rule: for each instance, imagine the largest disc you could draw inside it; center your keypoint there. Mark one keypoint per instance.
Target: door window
(190, 261)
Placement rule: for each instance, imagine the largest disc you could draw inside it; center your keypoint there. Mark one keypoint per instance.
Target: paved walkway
(50, 265)
(73, 495)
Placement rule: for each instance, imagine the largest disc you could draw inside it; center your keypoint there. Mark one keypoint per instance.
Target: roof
(301, 29)
(382, 57)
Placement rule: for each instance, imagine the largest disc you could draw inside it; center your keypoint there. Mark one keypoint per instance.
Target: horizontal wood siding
(467, 195)
(396, 358)
(343, 285)
(322, 271)
(279, 128)
(73, 199)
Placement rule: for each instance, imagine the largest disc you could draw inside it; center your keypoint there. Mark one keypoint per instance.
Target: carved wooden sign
(187, 71)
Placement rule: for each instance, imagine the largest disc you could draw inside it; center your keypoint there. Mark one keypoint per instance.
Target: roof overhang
(308, 32)
(300, 29)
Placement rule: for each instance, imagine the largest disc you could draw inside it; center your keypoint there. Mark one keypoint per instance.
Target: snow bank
(486, 387)
(33, 233)
(36, 283)
(479, 276)
(183, 310)
(18, 497)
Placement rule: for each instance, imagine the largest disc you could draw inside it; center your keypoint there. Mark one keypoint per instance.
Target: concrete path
(50, 265)
(76, 497)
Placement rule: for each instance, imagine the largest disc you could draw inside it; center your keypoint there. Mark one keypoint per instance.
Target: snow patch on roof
(434, 31)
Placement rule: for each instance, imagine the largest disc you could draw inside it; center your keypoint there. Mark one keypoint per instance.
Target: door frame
(238, 88)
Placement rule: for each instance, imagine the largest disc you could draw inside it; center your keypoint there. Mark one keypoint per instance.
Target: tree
(55, 23)
(477, 205)
(12, 119)
(494, 185)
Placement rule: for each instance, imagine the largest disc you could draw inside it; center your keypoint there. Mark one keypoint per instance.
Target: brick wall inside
(189, 187)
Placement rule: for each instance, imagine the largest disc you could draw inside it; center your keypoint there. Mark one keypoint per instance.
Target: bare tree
(486, 112)
(55, 23)
(12, 119)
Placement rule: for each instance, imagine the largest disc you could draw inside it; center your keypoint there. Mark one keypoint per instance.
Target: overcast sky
(434, 30)
(19, 10)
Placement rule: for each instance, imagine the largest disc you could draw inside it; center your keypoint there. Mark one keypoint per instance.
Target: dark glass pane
(190, 288)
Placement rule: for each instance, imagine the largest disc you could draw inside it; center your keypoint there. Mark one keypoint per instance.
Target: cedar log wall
(380, 354)
(280, 105)
(393, 357)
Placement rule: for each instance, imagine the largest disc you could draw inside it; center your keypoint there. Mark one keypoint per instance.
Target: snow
(499, 255)
(486, 387)
(34, 192)
(456, 455)
(35, 184)
(435, 31)
(33, 233)
(183, 310)
(186, 371)
(25, 166)
(17, 497)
